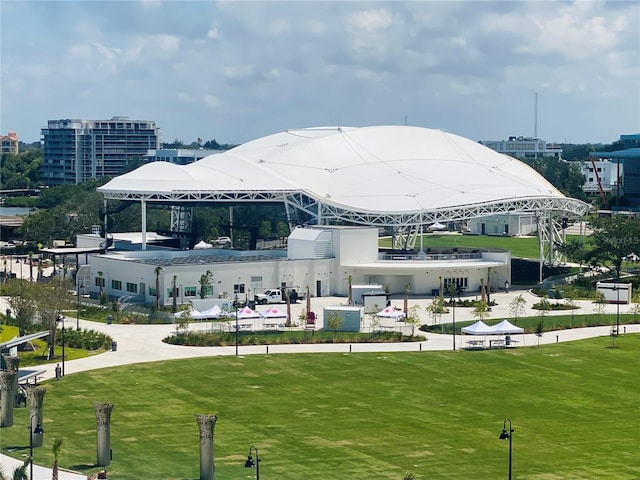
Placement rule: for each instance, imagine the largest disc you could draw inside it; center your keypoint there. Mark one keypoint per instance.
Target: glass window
(132, 287)
(116, 284)
(190, 291)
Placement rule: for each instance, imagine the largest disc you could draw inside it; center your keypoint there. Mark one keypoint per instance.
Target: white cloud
(211, 101)
(371, 20)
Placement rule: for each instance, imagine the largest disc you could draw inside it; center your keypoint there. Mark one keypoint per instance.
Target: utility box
(616, 292)
(358, 292)
(374, 302)
(351, 318)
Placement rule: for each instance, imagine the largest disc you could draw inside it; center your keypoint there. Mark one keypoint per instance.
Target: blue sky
(240, 70)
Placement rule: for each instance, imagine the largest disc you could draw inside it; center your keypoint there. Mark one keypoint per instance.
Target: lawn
(360, 416)
(38, 356)
(521, 247)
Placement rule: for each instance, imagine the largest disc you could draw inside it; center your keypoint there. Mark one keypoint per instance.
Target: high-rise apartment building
(79, 150)
(9, 143)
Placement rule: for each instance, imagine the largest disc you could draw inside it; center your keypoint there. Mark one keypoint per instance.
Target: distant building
(179, 156)
(630, 141)
(75, 150)
(608, 174)
(524, 147)
(9, 143)
(629, 160)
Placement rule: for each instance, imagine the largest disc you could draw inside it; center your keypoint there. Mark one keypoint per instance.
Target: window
(189, 291)
(132, 287)
(152, 291)
(238, 288)
(100, 282)
(116, 284)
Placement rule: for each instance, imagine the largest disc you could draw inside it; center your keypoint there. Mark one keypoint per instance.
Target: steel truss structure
(407, 226)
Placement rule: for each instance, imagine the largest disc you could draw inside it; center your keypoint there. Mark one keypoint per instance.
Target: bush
(87, 339)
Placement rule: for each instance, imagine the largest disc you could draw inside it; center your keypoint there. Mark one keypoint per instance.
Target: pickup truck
(276, 295)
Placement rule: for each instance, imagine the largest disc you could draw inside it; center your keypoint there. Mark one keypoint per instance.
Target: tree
(23, 304)
(335, 321)
(435, 310)
(516, 308)
(413, 319)
(174, 294)
(540, 327)
(481, 310)
(157, 272)
(56, 449)
(206, 284)
(613, 239)
(601, 301)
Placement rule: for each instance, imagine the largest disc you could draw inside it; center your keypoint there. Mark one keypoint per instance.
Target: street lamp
(78, 287)
(507, 435)
(236, 303)
(61, 320)
(250, 463)
(453, 307)
(37, 430)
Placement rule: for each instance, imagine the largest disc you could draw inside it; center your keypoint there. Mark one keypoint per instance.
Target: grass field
(574, 407)
(521, 247)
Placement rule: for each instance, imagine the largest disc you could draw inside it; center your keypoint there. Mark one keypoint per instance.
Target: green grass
(38, 356)
(525, 247)
(363, 416)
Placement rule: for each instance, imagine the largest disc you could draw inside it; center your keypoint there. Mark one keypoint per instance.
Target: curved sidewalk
(143, 343)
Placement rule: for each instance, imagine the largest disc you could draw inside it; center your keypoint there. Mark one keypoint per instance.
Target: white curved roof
(380, 170)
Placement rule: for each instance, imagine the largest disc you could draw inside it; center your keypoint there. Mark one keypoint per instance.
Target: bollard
(349, 348)
(267, 349)
(557, 340)
(58, 372)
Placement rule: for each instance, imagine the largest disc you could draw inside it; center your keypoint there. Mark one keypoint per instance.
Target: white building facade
(524, 147)
(610, 175)
(320, 258)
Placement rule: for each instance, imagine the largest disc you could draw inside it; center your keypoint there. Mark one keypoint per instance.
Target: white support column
(143, 209)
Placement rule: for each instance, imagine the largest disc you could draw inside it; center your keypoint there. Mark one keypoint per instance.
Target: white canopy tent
(478, 328)
(505, 327)
(213, 312)
(391, 312)
(274, 312)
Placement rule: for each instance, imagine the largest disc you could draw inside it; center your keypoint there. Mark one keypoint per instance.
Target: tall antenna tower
(535, 117)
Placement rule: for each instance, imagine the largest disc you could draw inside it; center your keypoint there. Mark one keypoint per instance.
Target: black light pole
(61, 320)
(454, 325)
(250, 463)
(508, 435)
(236, 302)
(37, 430)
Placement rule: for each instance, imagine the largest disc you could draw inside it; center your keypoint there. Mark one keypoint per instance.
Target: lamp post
(250, 463)
(453, 309)
(37, 430)
(236, 303)
(60, 319)
(508, 435)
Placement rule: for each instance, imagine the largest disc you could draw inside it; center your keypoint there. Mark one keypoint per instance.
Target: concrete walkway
(143, 343)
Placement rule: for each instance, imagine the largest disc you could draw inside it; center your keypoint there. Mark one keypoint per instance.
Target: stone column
(12, 364)
(7, 381)
(103, 433)
(35, 396)
(206, 424)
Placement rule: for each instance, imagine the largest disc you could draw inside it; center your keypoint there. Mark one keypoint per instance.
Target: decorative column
(206, 424)
(35, 396)
(7, 381)
(103, 433)
(12, 364)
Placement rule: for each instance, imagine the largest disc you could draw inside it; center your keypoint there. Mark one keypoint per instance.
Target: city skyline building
(524, 147)
(76, 150)
(9, 143)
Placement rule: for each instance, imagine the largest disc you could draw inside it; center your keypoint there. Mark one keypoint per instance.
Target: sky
(236, 71)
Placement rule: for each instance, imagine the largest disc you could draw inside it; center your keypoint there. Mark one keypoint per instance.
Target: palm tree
(175, 294)
(157, 272)
(57, 446)
(100, 274)
(31, 266)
